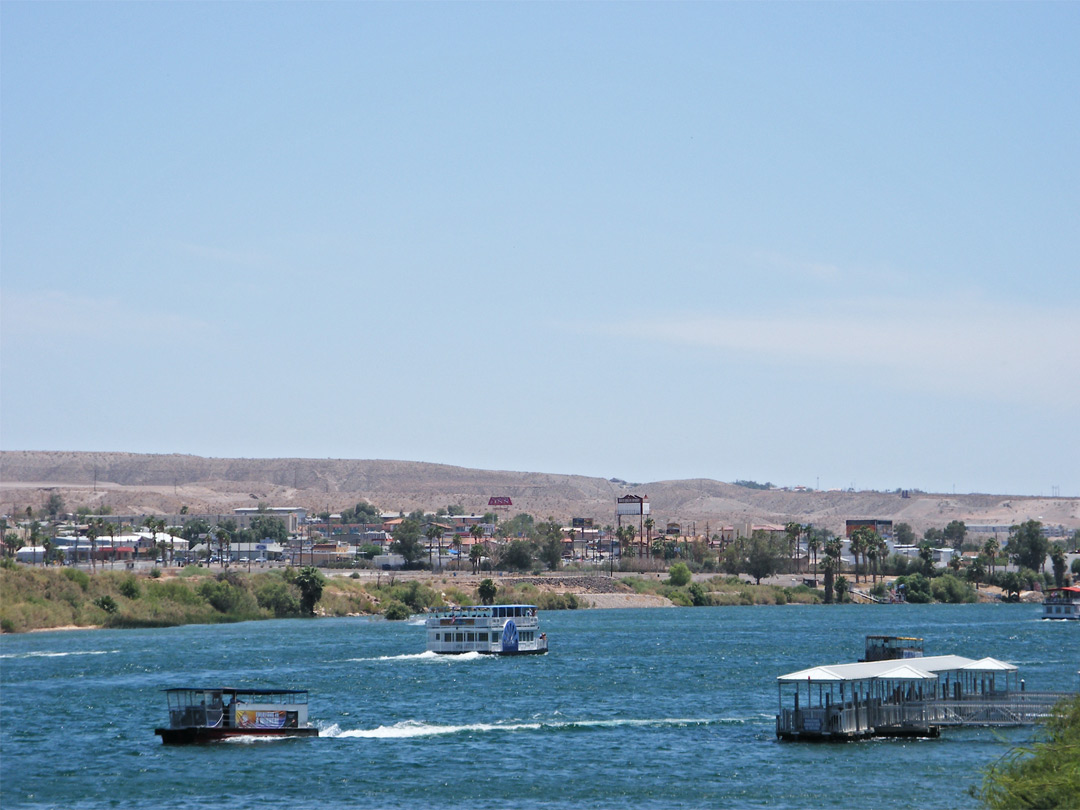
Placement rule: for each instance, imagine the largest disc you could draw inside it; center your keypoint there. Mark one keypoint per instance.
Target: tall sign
(632, 505)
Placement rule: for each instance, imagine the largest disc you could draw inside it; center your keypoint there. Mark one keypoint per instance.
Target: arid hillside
(159, 484)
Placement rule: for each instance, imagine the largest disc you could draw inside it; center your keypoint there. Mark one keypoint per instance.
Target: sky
(823, 244)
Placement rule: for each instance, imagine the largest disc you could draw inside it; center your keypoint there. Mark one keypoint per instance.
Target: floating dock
(905, 695)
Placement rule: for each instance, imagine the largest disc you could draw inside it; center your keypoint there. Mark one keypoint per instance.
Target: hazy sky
(823, 244)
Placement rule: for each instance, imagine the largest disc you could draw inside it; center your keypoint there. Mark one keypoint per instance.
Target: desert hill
(161, 484)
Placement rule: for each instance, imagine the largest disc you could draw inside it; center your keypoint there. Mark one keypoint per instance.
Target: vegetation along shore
(44, 598)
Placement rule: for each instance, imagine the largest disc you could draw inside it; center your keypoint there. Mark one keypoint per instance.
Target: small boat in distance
(1062, 603)
(487, 629)
(207, 715)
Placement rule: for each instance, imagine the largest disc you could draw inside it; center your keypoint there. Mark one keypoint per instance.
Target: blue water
(630, 709)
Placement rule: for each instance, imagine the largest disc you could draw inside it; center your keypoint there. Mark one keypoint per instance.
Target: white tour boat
(1062, 603)
(488, 629)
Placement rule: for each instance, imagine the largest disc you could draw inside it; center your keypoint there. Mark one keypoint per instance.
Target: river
(630, 709)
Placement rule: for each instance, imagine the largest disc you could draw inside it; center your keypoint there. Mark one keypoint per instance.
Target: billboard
(260, 718)
(500, 500)
(581, 523)
(632, 505)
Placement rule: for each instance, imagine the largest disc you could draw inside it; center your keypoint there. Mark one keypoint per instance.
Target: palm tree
(859, 544)
(456, 543)
(223, 539)
(174, 532)
(955, 562)
(649, 523)
(871, 555)
(110, 529)
(793, 530)
(813, 543)
(630, 533)
(476, 553)
(991, 548)
(883, 550)
(832, 565)
(434, 533)
(151, 524)
(95, 528)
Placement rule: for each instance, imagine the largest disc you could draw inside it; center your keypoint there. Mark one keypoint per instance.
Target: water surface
(630, 709)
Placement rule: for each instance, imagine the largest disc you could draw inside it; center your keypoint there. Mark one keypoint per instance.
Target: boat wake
(57, 654)
(414, 728)
(256, 739)
(426, 656)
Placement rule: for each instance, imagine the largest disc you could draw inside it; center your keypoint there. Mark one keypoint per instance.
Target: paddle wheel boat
(487, 629)
(1062, 603)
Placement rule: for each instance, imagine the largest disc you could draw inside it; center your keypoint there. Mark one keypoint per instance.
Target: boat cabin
(487, 629)
(893, 648)
(1062, 603)
(197, 714)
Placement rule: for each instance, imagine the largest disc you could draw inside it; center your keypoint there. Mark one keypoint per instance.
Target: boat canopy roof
(906, 672)
(228, 690)
(911, 669)
(990, 665)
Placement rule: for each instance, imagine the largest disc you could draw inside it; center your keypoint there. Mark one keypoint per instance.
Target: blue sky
(823, 244)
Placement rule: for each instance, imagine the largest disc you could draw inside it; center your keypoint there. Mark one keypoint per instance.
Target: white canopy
(906, 673)
(868, 670)
(989, 665)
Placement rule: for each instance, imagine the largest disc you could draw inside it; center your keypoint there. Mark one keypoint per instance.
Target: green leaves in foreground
(1045, 774)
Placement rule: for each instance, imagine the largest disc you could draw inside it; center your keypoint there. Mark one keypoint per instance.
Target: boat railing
(824, 720)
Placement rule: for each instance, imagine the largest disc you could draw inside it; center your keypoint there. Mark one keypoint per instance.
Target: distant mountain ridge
(157, 484)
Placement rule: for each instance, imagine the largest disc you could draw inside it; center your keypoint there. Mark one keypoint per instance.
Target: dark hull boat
(215, 714)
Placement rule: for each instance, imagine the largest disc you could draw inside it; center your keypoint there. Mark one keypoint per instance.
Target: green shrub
(155, 572)
(130, 588)
(679, 575)
(948, 588)
(233, 600)
(413, 594)
(396, 611)
(698, 596)
(557, 601)
(78, 576)
(1041, 774)
(173, 591)
(107, 603)
(916, 588)
(279, 597)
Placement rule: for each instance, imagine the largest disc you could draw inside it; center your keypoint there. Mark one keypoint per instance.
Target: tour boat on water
(207, 715)
(1062, 603)
(487, 629)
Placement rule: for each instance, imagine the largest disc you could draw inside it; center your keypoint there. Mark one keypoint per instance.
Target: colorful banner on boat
(258, 718)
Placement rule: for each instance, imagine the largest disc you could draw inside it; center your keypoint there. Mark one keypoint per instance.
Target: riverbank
(52, 598)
